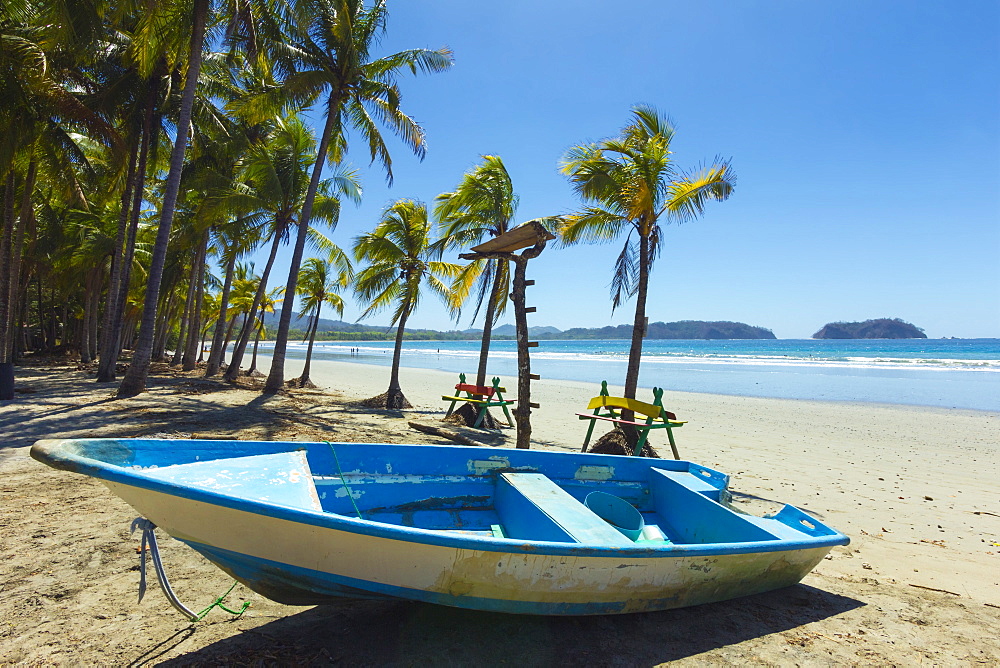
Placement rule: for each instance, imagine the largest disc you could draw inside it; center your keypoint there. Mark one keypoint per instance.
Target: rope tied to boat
(149, 539)
(350, 494)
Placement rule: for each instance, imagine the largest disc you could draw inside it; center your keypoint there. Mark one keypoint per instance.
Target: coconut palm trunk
(17, 250)
(88, 313)
(394, 396)
(185, 318)
(639, 323)
(168, 310)
(109, 358)
(276, 376)
(491, 309)
(259, 329)
(194, 333)
(219, 338)
(134, 381)
(109, 341)
(233, 371)
(304, 378)
(6, 364)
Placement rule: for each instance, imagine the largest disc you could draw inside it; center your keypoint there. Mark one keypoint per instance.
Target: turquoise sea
(953, 373)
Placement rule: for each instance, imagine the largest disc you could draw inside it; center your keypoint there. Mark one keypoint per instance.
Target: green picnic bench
(483, 396)
(608, 409)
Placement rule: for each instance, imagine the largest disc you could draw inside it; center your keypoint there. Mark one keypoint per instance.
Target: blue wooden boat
(517, 531)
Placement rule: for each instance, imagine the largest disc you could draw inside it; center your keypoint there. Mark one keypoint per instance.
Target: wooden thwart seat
(483, 396)
(532, 506)
(608, 409)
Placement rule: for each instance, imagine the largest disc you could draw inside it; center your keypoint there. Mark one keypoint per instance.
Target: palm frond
(688, 196)
(591, 225)
(624, 282)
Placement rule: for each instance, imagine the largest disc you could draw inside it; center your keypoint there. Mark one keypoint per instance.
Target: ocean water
(952, 373)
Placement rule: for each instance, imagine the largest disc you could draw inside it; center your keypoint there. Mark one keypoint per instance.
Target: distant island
(685, 329)
(338, 330)
(881, 328)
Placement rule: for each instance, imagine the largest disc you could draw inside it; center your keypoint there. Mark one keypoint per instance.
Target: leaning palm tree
(274, 182)
(481, 206)
(399, 253)
(267, 305)
(628, 184)
(134, 381)
(330, 59)
(317, 285)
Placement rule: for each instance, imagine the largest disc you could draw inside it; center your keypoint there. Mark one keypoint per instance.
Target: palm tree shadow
(401, 633)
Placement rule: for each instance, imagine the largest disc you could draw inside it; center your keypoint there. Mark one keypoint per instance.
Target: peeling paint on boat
(485, 466)
(595, 473)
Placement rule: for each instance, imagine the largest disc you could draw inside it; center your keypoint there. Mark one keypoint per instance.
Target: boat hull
(478, 528)
(302, 564)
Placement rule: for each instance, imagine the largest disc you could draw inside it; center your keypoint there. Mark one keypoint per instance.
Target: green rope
(350, 495)
(218, 604)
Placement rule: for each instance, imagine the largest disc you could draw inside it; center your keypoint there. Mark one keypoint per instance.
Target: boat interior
(516, 495)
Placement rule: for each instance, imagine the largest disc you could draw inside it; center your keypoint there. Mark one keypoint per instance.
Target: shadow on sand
(64, 407)
(389, 633)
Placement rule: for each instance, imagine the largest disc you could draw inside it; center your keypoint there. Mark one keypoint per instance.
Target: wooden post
(522, 413)
(534, 235)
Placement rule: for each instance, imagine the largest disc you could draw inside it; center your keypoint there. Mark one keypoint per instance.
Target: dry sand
(914, 488)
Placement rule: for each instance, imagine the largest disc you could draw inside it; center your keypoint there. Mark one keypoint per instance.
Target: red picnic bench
(608, 409)
(484, 396)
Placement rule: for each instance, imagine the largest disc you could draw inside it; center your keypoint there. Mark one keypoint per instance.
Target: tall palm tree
(39, 117)
(330, 59)
(399, 253)
(242, 293)
(317, 285)
(267, 305)
(134, 381)
(272, 188)
(628, 184)
(482, 206)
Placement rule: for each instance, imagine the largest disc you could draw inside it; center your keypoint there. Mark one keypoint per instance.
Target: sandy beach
(914, 488)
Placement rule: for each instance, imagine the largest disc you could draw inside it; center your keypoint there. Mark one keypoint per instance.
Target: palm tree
(272, 188)
(481, 206)
(242, 293)
(134, 381)
(399, 253)
(40, 117)
(267, 305)
(628, 184)
(331, 59)
(316, 286)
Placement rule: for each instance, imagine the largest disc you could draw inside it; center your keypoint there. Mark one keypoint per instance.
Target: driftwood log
(447, 434)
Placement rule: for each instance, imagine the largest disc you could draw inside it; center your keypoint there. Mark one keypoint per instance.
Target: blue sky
(865, 137)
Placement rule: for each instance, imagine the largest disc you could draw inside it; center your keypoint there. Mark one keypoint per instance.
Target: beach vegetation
(330, 60)
(319, 283)
(400, 266)
(879, 328)
(137, 137)
(160, 20)
(630, 186)
(270, 192)
(267, 305)
(481, 207)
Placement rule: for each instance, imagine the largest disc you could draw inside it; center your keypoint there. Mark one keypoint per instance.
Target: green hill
(338, 330)
(685, 329)
(881, 328)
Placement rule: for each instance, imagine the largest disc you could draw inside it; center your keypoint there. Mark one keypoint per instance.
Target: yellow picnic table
(608, 409)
